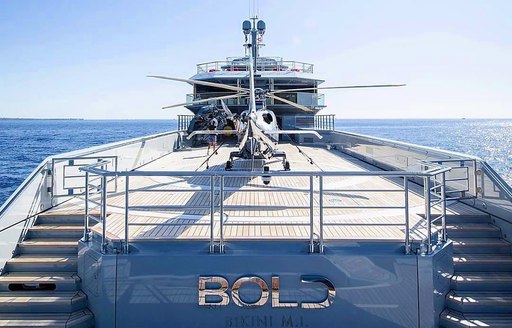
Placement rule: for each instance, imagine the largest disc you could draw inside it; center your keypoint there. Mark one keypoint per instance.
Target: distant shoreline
(39, 119)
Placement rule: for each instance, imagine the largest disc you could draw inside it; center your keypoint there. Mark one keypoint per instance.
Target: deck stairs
(40, 285)
(481, 294)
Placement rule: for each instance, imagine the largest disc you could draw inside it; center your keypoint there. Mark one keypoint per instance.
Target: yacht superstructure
(361, 230)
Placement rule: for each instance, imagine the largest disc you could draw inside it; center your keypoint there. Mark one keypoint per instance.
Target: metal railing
(71, 181)
(271, 65)
(184, 121)
(434, 193)
(100, 188)
(315, 122)
(461, 180)
(307, 99)
(217, 203)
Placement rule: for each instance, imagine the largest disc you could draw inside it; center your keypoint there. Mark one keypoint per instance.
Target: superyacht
(256, 212)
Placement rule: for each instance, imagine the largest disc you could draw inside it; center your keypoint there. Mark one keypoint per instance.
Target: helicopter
(211, 116)
(260, 129)
(257, 123)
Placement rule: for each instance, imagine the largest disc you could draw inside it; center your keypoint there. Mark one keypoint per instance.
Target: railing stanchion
(428, 216)
(221, 210)
(104, 213)
(115, 169)
(311, 215)
(86, 210)
(126, 214)
(406, 210)
(475, 170)
(212, 214)
(443, 206)
(321, 203)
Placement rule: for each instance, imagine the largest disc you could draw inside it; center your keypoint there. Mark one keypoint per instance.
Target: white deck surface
(248, 215)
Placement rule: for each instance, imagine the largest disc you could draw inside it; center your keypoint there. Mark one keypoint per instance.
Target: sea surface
(25, 143)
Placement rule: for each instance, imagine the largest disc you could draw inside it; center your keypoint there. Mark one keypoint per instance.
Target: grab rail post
(104, 213)
(311, 227)
(86, 210)
(221, 210)
(428, 216)
(321, 204)
(475, 173)
(212, 214)
(443, 206)
(406, 210)
(126, 213)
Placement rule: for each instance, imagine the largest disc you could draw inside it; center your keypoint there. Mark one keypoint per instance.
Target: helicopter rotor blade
(226, 108)
(290, 103)
(204, 100)
(210, 84)
(342, 87)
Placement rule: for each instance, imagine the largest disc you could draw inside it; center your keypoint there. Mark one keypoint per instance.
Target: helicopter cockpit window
(267, 118)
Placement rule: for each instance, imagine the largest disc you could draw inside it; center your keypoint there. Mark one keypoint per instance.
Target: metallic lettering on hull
(331, 292)
(275, 295)
(220, 292)
(235, 291)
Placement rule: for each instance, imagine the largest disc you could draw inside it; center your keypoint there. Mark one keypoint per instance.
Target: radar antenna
(255, 29)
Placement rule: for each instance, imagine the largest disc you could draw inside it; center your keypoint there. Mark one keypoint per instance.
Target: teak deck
(247, 201)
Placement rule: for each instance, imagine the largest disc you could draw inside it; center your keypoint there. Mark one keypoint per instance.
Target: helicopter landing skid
(236, 154)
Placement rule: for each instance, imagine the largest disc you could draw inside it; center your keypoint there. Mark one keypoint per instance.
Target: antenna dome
(261, 26)
(246, 27)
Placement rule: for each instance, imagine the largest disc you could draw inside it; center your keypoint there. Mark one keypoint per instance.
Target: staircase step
(40, 302)
(454, 319)
(489, 281)
(48, 246)
(77, 219)
(42, 263)
(468, 230)
(450, 218)
(30, 281)
(480, 301)
(482, 262)
(481, 246)
(78, 319)
(56, 231)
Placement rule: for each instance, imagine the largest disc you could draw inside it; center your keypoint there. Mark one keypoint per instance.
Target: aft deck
(353, 207)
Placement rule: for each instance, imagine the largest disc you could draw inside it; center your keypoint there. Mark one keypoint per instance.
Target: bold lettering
(331, 292)
(275, 295)
(235, 291)
(219, 292)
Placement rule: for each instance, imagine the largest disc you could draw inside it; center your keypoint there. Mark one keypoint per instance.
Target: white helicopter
(260, 129)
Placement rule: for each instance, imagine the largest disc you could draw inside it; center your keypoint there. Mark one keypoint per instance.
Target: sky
(89, 59)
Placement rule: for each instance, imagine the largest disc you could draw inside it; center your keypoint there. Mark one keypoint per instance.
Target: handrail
(408, 146)
(82, 152)
(480, 177)
(497, 179)
(23, 186)
(31, 216)
(427, 175)
(257, 174)
(113, 145)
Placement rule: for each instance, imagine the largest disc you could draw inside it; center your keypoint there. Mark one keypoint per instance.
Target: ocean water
(25, 143)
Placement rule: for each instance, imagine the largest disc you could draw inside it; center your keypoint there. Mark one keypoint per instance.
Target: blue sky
(89, 59)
